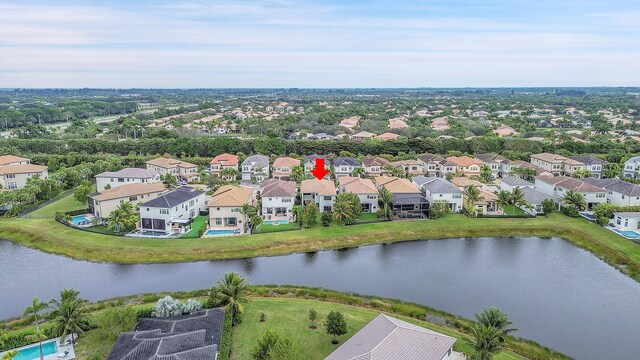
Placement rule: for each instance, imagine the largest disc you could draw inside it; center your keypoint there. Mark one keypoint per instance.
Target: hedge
(225, 342)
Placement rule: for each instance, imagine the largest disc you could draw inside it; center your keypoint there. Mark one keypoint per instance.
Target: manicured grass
(48, 235)
(195, 226)
(512, 210)
(368, 217)
(67, 203)
(289, 318)
(268, 228)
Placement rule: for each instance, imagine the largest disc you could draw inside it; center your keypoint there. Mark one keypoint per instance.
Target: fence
(29, 210)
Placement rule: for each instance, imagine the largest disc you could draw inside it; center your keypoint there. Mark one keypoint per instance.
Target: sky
(319, 44)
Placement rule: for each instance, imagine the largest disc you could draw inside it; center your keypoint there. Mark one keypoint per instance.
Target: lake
(555, 293)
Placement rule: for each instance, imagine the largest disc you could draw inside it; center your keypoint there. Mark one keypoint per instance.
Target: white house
(432, 164)
(255, 167)
(592, 164)
(535, 198)
(558, 186)
(309, 164)
(278, 198)
(225, 207)
(126, 176)
(322, 192)
(172, 212)
(632, 167)
(619, 192)
(15, 176)
(102, 203)
(496, 162)
(439, 189)
(626, 221)
(344, 166)
(364, 188)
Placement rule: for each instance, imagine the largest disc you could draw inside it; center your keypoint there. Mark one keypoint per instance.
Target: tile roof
(588, 160)
(285, 161)
(397, 185)
(321, 187)
(389, 338)
(8, 159)
(225, 159)
(229, 195)
(312, 158)
(374, 161)
(615, 185)
(430, 157)
(170, 163)
(257, 160)
(465, 181)
(464, 160)
(571, 183)
(135, 173)
(127, 190)
(535, 197)
(363, 134)
(436, 185)
(22, 169)
(548, 157)
(278, 188)
(387, 136)
(357, 185)
(515, 181)
(491, 157)
(174, 197)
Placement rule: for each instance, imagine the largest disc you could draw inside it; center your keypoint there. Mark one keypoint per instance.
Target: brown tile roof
(550, 158)
(169, 163)
(277, 188)
(125, 191)
(321, 187)
(397, 185)
(22, 169)
(8, 159)
(464, 160)
(357, 185)
(286, 162)
(462, 182)
(363, 134)
(225, 159)
(374, 161)
(229, 195)
(387, 136)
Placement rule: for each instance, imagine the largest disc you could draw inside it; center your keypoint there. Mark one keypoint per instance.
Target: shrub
(326, 218)
(144, 313)
(168, 306)
(571, 211)
(116, 320)
(225, 342)
(214, 300)
(191, 306)
(263, 317)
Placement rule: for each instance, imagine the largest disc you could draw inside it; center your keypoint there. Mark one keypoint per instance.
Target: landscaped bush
(168, 306)
(144, 313)
(225, 342)
(570, 211)
(191, 306)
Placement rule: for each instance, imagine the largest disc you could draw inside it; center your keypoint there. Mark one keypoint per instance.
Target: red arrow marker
(320, 171)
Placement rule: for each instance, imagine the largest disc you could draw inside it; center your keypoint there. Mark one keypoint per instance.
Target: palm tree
(124, 216)
(385, 199)
(611, 170)
(342, 213)
(10, 355)
(229, 173)
(575, 199)
(582, 173)
(485, 341)
(33, 313)
(249, 211)
(517, 197)
(504, 199)
(494, 317)
(359, 172)
(233, 294)
(297, 173)
(69, 314)
(472, 195)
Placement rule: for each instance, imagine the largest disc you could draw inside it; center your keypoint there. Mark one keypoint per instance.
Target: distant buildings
(255, 168)
(181, 170)
(15, 171)
(113, 179)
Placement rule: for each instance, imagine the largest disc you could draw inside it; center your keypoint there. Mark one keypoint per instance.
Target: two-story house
(374, 166)
(619, 192)
(364, 188)
(224, 161)
(407, 199)
(466, 165)
(432, 164)
(171, 212)
(255, 168)
(559, 186)
(104, 202)
(13, 160)
(632, 168)
(278, 198)
(410, 167)
(283, 167)
(322, 192)
(439, 189)
(113, 179)
(497, 163)
(181, 170)
(556, 164)
(225, 207)
(15, 176)
(309, 163)
(344, 166)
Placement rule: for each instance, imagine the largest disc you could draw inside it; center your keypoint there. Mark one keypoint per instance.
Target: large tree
(233, 290)
(336, 325)
(385, 199)
(70, 314)
(34, 314)
(575, 199)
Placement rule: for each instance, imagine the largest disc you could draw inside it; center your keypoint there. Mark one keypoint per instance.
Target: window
(218, 221)
(120, 179)
(286, 200)
(12, 185)
(327, 198)
(599, 195)
(11, 176)
(626, 222)
(158, 224)
(133, 198)
(457, 196)
(327, 209)
(191, 202)
(164, 211)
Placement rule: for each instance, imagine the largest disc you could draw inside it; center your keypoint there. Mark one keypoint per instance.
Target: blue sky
(287, 43)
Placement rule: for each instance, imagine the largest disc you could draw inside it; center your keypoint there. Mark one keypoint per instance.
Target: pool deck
(61, 349)
(235, 231)
(625, 233)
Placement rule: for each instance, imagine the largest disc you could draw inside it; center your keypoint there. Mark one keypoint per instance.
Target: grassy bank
(286, 309)
(48, 235)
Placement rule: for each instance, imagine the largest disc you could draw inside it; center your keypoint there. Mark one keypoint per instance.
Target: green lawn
(268, 228)
(368, 217)
(60, 239)
(512, 210)
(67, 203)
(289, 317)
(195, 226)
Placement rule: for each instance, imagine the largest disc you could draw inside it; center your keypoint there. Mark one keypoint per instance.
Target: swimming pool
(33, 352)
(219, 232)
(276, 222)
(79, 219)
(628, 234)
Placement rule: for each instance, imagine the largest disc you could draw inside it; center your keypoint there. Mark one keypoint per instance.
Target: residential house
(224, 161)
(632, 168)
(556, 164)
(496, 162)
(388, 338)
(113, 179)
(505, 130)
(488, 204)
(255, 168)
(283, 167)
(362, 135)
(410, 167)
(278, 198)
(171, 212)
(432, 165)
(225, 207)
(345, 166)
(104, 202)
(322, 192)
(408, 200)
(593, 164)
(619, 192)
(13, 160)
(387, 136)
(626, 221)
(350, 122)
(16, 175)
(397, 123)
(364, 188)
(558, 186)
(535, 198)
(374, 166)
(462, 182)
(181, 170)
(439, 189)
(466, 165)
(310, 164)
(508, 183)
